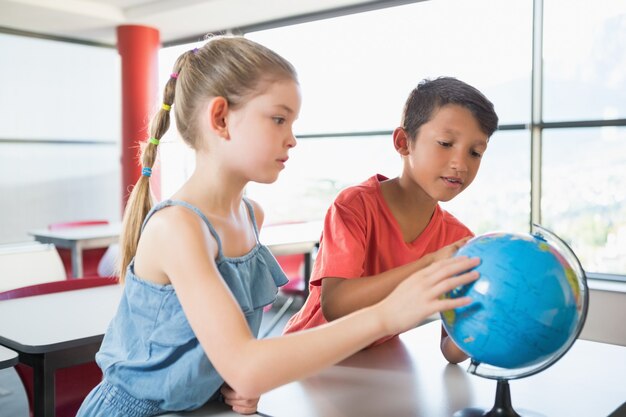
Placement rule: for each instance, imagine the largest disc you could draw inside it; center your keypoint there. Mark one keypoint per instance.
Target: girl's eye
(444, 144)
(278, 120)
(476, 154)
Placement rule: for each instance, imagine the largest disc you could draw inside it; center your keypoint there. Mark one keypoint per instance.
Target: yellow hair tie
(166, 107)
(154, 141)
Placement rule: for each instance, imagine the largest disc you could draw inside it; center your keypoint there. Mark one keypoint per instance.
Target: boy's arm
(341, 296)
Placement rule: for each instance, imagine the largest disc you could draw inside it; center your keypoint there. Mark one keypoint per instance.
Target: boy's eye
(278, 120)
(476, 154)
(444, 144)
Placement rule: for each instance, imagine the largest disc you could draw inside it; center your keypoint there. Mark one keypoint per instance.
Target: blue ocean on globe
(524, 305)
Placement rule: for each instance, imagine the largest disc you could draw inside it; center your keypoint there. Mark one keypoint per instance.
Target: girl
(196, 276)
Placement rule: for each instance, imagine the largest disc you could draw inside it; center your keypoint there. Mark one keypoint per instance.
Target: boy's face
(444, 158)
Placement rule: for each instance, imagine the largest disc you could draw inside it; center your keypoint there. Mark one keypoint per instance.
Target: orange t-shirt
(361, 238)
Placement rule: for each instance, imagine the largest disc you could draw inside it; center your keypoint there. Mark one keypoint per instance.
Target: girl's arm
(252, 366)
(342, 296)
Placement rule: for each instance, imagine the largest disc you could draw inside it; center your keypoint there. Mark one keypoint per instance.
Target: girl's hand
(448, 251)
(419, 296)
(239, 404)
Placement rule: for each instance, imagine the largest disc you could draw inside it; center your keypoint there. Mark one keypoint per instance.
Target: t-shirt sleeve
(343, 244)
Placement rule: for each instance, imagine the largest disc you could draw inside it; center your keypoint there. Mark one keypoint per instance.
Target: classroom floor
(13, 401)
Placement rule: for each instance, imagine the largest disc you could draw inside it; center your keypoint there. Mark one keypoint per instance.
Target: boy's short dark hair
(430, 95)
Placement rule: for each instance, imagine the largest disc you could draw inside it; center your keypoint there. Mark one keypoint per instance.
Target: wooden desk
(79, 238)
(56, 330)
(8, 357)
(408, 376)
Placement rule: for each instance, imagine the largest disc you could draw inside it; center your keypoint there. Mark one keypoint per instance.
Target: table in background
(56, 330)
(284, 239)
(8, 357)
(78, 239)
(408, 376)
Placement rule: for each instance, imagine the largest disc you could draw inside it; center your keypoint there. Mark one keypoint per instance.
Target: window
(584, 194)
(73, 80)
(357, 70)
(59, 134)
(583, 147)
(584, 60)
(318, 169)
(356, 73)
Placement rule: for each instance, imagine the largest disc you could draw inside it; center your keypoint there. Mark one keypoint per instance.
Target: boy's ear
(217, 112)
(401, 141)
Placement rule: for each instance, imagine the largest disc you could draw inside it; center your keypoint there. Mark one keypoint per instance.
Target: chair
(107, 267)
(72, 384)
(68, 225)
(293, 266)
(28, 264)
(91, 257)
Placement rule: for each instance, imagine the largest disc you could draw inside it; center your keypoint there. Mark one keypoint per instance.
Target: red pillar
(138, 47)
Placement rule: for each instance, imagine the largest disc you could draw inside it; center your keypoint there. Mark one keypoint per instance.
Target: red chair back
(67, 225)
(293, 266)
(57, 286)
(72, 384)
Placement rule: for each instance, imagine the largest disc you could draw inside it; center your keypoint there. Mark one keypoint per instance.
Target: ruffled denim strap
(168, 203)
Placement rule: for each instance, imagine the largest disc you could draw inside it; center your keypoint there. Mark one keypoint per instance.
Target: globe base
(501, 408)
(481, 412)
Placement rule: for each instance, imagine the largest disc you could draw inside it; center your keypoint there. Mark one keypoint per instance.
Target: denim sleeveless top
(151, 359)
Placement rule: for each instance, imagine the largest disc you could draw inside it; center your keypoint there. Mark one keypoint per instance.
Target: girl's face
(261, 131)
(445, 157)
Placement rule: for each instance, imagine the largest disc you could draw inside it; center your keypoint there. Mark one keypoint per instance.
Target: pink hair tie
(174, 75)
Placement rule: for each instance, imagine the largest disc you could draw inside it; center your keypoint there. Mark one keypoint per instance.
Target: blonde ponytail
(140, 200)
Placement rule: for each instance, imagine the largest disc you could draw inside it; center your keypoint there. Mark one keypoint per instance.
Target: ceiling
(95, 20)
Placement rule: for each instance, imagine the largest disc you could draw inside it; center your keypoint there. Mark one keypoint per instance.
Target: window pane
(356, 71)
(176, 161)
(584, 60)
(584, 194)
(499, 197)
(318, 169)
(49, 183)
(58, 90)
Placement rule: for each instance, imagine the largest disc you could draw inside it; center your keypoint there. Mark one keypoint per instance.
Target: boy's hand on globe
(449, 251)
(419, 296)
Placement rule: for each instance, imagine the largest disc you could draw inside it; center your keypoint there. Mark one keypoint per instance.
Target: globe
(528, 307)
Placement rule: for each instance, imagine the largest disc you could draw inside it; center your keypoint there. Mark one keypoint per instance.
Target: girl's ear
(217, 111)
(401, 141)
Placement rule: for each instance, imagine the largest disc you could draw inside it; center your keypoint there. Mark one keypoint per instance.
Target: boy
(379, 232)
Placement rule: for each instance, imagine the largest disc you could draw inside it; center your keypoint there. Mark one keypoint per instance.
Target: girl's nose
(292, 142)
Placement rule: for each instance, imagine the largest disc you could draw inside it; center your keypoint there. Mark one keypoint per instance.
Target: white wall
(606, 319)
